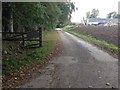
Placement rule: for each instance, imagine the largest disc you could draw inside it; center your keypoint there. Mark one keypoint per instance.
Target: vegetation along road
(80, 65)
(35, 55)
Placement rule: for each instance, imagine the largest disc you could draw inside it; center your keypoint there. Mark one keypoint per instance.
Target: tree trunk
(0, 32)
(11, 19)
(11, 22)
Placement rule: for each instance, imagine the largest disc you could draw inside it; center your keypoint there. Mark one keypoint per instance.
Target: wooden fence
(35, 35)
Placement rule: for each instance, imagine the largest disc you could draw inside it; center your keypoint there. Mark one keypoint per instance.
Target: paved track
(81, 65)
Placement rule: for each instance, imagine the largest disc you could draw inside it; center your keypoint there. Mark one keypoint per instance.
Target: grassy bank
(15, 63)
(91, 39)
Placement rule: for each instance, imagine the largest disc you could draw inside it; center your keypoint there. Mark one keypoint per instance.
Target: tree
(30, 16)
(93, 14)
(66, 11)
(113, 15)
(88, 15)
(7, 19)
(118, 16)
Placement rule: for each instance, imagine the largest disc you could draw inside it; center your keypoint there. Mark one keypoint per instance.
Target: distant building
(101, 21)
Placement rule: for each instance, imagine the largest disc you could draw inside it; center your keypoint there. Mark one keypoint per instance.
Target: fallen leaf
(90, 86)
(15, 78)
(50, 81)
(108, 84)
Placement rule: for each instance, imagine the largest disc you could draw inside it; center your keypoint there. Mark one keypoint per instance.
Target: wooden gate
(23, 37)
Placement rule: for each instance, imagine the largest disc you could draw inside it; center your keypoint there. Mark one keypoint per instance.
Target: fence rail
(35, 35)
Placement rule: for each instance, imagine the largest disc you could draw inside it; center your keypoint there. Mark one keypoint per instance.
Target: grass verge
(93, 40)
(35, 56)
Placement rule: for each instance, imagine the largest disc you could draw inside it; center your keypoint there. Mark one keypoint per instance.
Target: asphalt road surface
(81, 65)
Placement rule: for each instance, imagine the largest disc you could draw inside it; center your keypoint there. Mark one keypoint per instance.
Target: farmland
(103, 37)
(108, 34)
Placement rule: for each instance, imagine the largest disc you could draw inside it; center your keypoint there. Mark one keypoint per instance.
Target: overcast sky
(104, 7)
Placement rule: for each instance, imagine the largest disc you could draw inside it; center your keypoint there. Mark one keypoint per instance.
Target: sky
(104, 7)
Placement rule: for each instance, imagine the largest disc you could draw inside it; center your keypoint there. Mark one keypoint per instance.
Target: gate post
(23, 39)
(40, 37)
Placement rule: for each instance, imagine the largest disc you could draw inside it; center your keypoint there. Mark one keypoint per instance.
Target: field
(103, 37)
(108, 34)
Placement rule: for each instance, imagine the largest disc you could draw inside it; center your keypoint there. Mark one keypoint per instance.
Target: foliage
(33, 57)
(68, 27)
(88, 15)
(29, 16)
(93, 14)
(66, 9)
(113, 15)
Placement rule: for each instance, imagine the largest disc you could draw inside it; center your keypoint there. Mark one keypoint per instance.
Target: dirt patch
(108, 34)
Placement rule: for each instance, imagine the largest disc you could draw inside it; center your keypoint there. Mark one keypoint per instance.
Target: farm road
(80, 65)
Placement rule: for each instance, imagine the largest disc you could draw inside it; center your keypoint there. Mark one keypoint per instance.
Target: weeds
(14, 64)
